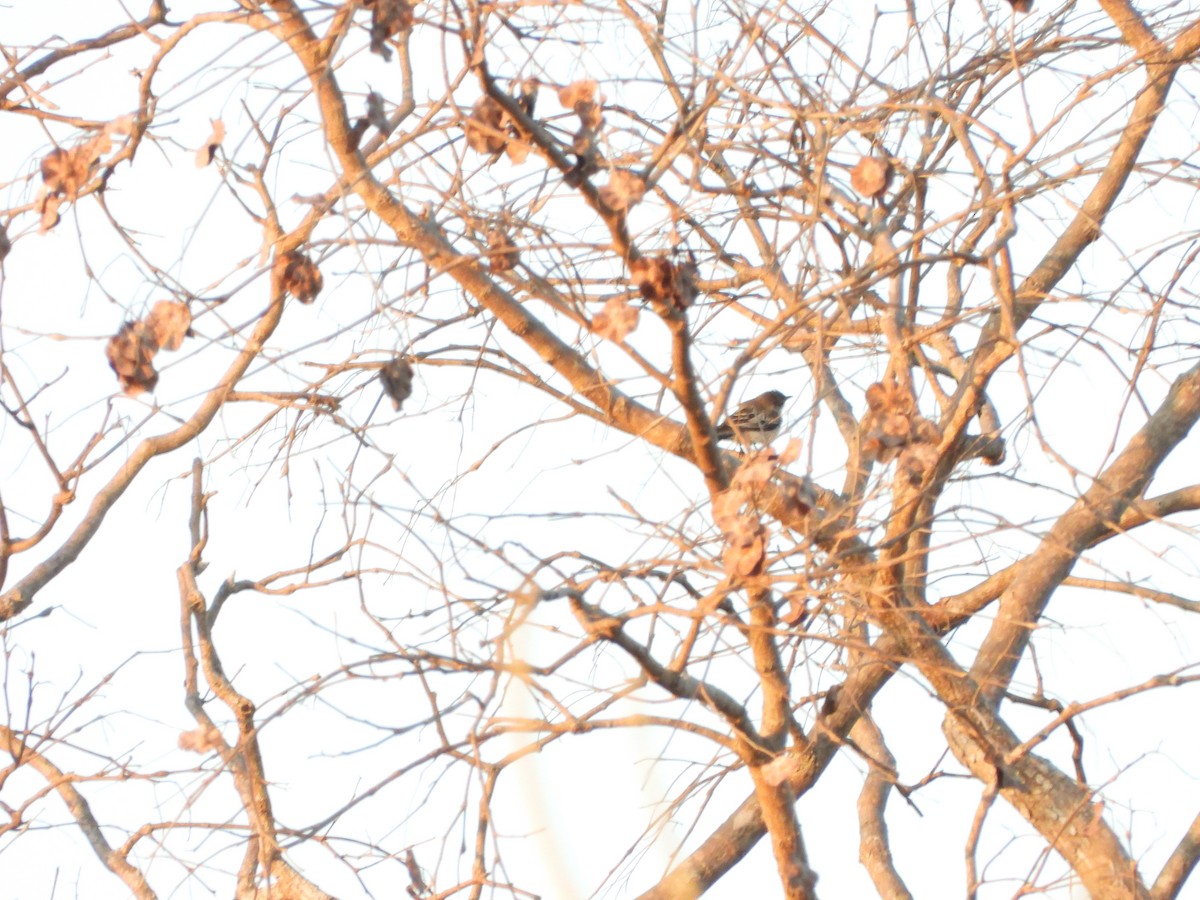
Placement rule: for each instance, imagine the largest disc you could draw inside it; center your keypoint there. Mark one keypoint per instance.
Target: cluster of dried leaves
(299, 276)
(66, 172)
(490, 129)
(893, 429)
(670, 287)
(735, 511)
(388, 19)
(397, 378)
(132, 349)
(581, 98)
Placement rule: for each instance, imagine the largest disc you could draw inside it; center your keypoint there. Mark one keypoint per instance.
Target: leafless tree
(364, 526)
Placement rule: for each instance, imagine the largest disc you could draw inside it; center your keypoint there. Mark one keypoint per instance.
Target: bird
(755, 421)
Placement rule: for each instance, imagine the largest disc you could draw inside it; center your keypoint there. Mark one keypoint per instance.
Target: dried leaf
(170, 321)
(502, 253)
(877, 397)
(48, 207)
(397, 378)
(727, 507)
(624, 189)
(206, 154)
(484, 127)
(756, 470)
(791, 452)
(122, 124)
(745, 547)
(299, 276)
(797, 610)
(200, 739)
(517, 150)
(894, 429)
(131, 354)
(616, 321)
(5, 243)
(65, 172)
(1021, 6)
(577, 92)
(654, 277)
(388, 18)
(871, 176)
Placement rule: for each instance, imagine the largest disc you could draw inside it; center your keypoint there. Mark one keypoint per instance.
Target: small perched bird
(755, 421)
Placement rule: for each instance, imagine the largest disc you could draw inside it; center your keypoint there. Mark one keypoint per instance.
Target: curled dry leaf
(208, 152)
(745, 547)
(388, 18)
(517, 150)
(616, 321)
(65, 172)
(131, 354)
(299, 276)
(577, 93)
(871, 176)
(48, 207)
(502, 253)
(797, 610)
(791, 452)
(654, 277)
(727, 507)
(122, 124)
(200, 739)
(624, 189)
(663, 282)
(484, 127)
(892, 424)
(756, 469)
(169, 322)
(877, 397)
(397, 378)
